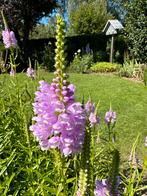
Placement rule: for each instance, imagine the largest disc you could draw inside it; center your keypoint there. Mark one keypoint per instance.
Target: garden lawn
(128, 99)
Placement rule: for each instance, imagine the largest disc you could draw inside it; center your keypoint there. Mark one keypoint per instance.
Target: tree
(87, 17)
(116, 8)
(23, 15)
(42, 31)
(136, 29)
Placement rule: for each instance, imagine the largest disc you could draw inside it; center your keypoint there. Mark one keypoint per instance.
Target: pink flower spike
(9, 38)
(110, 117)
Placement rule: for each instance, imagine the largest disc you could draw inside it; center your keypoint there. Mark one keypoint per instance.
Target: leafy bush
(81, 64)
(135, 29)
(132, 69)
(104, 67)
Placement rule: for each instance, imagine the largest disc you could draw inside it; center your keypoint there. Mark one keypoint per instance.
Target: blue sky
(44, 20)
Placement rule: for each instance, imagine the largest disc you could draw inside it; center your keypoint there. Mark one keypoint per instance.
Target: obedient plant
(133, 181)
(60, 122)
(110, 120)
(110, 117)
(10, 42)
(30, 71)
(9, 38)
(59, 119)
(101, 188)
(66, 127)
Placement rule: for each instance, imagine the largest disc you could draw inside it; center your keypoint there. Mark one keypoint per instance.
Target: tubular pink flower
(59, 123)
(91, 113)
(9, 38)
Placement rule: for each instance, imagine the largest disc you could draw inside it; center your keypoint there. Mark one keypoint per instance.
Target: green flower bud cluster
(82, 182)
(59, 51)
(60, 75)
(85, 184)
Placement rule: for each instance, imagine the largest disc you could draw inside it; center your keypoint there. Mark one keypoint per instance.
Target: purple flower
(110, 117)
(89, 107)
(59, 120)
(94, 119)
(101, 188)
(9, 38)
(91, 113)
(31, 72)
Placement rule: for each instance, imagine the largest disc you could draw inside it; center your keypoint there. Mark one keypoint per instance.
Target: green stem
(60, 171)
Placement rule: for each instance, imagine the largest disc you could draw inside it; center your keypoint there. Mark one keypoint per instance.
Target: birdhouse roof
(112, 26)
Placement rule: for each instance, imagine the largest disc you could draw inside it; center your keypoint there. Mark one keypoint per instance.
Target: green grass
(128, 99)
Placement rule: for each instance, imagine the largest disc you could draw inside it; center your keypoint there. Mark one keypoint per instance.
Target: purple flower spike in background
(89, 107)
(9, 38)
(31, 72)
(110, 117)
(91, 113)
(101, 188)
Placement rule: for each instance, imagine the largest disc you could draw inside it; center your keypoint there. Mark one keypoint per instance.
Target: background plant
(87, 17)
(48, 57)
(22, 22)
(104, 67)
(133, 179)
(132, 69)
(81, 63)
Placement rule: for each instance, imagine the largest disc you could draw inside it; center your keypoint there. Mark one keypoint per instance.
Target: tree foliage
(42, 31)
(87, 17)
(136, 29)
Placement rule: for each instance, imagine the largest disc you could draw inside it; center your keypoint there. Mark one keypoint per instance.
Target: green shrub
(104, 67)
(81, 64)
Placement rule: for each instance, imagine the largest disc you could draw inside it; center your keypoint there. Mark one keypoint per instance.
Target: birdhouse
(111, 28)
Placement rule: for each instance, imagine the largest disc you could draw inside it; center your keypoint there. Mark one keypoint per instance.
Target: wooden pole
(112, 47)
